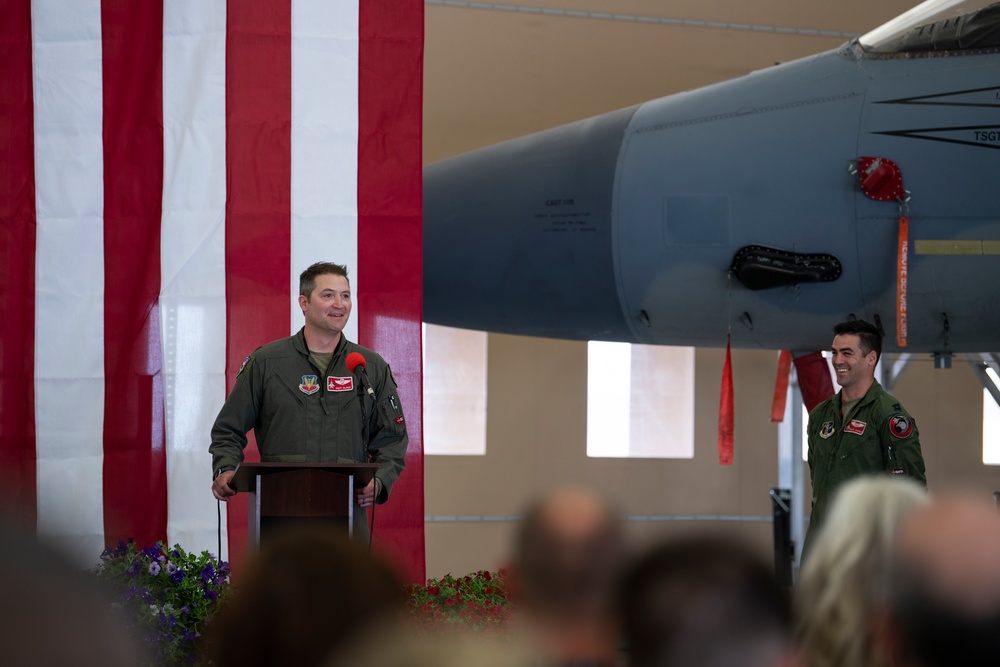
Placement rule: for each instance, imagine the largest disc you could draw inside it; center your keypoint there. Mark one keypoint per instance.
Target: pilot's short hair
(869, 337)
(307, 280)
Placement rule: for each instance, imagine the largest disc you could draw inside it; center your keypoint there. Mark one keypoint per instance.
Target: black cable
(371, 522)
(218, 524)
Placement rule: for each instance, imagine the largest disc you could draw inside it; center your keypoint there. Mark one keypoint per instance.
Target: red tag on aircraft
(880, 179)
(339, 384)
(855, 426)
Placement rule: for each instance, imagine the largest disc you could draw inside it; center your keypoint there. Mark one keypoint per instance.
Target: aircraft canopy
(938, 26)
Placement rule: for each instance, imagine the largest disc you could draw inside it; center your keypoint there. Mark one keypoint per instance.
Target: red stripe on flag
(135, 471)
(390, 237)
(17, 267)
(258, 204)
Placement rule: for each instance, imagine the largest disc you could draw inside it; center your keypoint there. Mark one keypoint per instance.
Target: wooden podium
(299, 491)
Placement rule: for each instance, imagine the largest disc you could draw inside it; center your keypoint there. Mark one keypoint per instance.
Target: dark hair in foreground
(307, 594)
(307, 279)
(870, 338)
(705, 601)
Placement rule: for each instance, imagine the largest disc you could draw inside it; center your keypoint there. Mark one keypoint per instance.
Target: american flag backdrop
(167, 168)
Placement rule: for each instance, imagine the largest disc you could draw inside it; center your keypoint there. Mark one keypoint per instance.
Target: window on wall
(640, 401)
(991, 430)
(454, 391)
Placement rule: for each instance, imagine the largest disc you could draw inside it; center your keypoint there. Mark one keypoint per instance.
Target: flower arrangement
(476, 602)
(166, 596)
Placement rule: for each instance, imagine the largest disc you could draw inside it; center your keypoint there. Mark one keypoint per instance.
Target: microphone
(356, 363)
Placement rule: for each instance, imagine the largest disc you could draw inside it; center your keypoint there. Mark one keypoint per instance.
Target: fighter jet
(864, 182)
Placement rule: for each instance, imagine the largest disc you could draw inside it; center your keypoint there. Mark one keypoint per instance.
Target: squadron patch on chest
(826, 430)
(309, 385)
(900, 425)
(340, 384)
(855, 426)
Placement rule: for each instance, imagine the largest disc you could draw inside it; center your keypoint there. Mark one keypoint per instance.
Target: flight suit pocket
(390, 416)
(862, 452)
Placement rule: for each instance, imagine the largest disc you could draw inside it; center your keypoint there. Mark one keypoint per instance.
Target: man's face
(329, 306)
(851, 365)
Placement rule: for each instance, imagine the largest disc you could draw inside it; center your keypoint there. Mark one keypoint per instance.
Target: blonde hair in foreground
(841, 577)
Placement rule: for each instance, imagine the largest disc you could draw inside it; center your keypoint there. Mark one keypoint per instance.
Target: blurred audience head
(439, 649)
(307, 593)
(567, 555)
(55, 614)
(943, 590)
(837, 592)
(705, 601)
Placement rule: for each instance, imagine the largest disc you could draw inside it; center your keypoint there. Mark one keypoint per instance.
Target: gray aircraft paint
(624, 226)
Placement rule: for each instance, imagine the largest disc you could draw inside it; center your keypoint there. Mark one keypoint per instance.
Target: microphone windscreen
(354, 359)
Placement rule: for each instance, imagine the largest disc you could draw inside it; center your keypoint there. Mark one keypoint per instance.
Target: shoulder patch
(245, 363)
(901, 425)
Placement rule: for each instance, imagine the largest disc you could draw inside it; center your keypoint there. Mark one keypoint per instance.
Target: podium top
(245, 479)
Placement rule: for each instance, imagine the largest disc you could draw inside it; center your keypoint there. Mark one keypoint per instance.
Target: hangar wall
(494, 74)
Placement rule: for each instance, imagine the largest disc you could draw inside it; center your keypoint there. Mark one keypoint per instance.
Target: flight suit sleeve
(237, 416)
(388, 440)
(901, 444)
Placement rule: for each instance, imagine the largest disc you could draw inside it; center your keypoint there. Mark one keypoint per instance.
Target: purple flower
(207, 573)
(211, 595)
(133, 568)
(129, 593)
(150, 552)
(154, 568)
(178, 576)
(171, 568)
(146, 597)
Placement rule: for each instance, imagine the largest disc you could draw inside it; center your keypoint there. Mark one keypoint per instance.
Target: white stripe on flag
(69, 274)
(324, 141)
(193, 261)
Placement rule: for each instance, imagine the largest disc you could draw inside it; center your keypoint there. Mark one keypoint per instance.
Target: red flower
(450, 602)
(487, 576)
(489, 590)
(433, 591)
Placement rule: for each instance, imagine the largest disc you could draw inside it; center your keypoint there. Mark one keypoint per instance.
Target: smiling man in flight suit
(304, 404)
(860, 430)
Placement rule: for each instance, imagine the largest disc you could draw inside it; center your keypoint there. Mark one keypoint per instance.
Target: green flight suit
(299, 414)
(878, 436)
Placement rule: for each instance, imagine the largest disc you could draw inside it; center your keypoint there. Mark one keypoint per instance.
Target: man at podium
(315, 397)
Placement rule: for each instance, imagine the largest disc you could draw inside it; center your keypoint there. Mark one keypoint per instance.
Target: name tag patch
(340, 384)
(855, 426)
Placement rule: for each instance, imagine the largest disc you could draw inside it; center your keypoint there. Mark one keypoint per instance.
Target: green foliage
(165, 596)
(476, 602)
